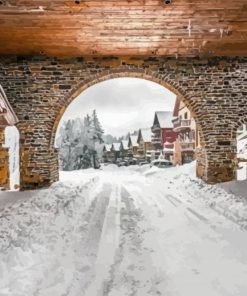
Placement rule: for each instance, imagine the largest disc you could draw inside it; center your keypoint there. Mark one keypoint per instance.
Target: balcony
(187, 146)
(140, 149)
(156, 139)
(181, 125)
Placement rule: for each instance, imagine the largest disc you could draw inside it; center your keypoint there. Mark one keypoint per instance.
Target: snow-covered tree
(67, 142)
(78, 141)
(97, 129)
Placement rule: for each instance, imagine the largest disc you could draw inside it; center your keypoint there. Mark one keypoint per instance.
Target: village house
(187, 136)
(115, 148)
(242, 146)
(163, 136)
(144, 141)
(108, 155)
(7, 118)
(124, 148)
(242, 156)
(7, 115)
(133, 145)
(242, 129)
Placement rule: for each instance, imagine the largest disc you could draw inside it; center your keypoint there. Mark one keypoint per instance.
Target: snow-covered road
(125, 231)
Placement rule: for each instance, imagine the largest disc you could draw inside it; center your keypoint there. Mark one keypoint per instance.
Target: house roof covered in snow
(145, 134)
(164, 119)
(242, 136)
(116, 146)
(242, 146)
(124, 144)
(7, 114)
(107, 147)
(133, 141)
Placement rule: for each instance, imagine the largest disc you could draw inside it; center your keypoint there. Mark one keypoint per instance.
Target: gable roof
(164, 119)
(133, 141)
(242, 136)
(7, 114)
(107, 147)
(145, 134)
(242, 146)
(116, 146)
(124, 144)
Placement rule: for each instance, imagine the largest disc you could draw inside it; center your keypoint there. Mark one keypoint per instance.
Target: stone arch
(153, 76)
(213, 89)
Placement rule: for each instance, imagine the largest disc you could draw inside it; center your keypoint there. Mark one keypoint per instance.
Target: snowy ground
(124, 231)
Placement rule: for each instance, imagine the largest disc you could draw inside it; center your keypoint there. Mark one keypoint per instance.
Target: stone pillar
(201, 163)
(38, 167)
(217, 160)
(4, 163)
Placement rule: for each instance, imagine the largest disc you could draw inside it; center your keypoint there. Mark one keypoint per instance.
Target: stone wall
(40, 89)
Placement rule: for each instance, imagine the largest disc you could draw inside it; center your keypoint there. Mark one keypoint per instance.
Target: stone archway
(209, 88)
(123, 73)
(94, 79)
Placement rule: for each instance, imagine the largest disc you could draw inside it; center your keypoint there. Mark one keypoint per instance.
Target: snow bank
(40, 238)
(228, 199)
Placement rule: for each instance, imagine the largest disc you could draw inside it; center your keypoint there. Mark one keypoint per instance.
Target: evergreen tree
(66, 144)
(97, 129)
(77, 142)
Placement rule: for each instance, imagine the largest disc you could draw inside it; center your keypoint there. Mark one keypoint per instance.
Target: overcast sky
(123, 104)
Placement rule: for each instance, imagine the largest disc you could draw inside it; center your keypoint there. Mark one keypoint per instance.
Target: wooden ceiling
(123, 28)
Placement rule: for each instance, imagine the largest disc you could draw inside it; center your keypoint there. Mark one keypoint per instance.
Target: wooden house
(144, 141)
(187, 136)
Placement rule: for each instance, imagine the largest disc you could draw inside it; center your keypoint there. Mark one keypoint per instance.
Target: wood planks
(144, 27)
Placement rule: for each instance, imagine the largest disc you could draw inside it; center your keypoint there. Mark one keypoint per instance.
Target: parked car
(123, 162)
(132, 161)
(143, 163)
(161, 163)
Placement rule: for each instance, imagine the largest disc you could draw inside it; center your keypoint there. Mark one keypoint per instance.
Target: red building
(163, 137)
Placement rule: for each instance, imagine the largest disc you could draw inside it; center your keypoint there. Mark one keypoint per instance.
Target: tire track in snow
(133, 273)
(88, 247)
(130, 242)
(109, 242)
(179, 204)
(199, 216)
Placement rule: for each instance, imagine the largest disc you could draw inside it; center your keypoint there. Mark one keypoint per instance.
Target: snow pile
(41, 239)
(184, 183)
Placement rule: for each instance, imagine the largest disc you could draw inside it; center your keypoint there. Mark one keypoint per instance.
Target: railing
(156, 140)
(187, 146)
(181, 123)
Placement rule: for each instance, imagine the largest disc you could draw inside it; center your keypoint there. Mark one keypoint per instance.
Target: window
(185, 115)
